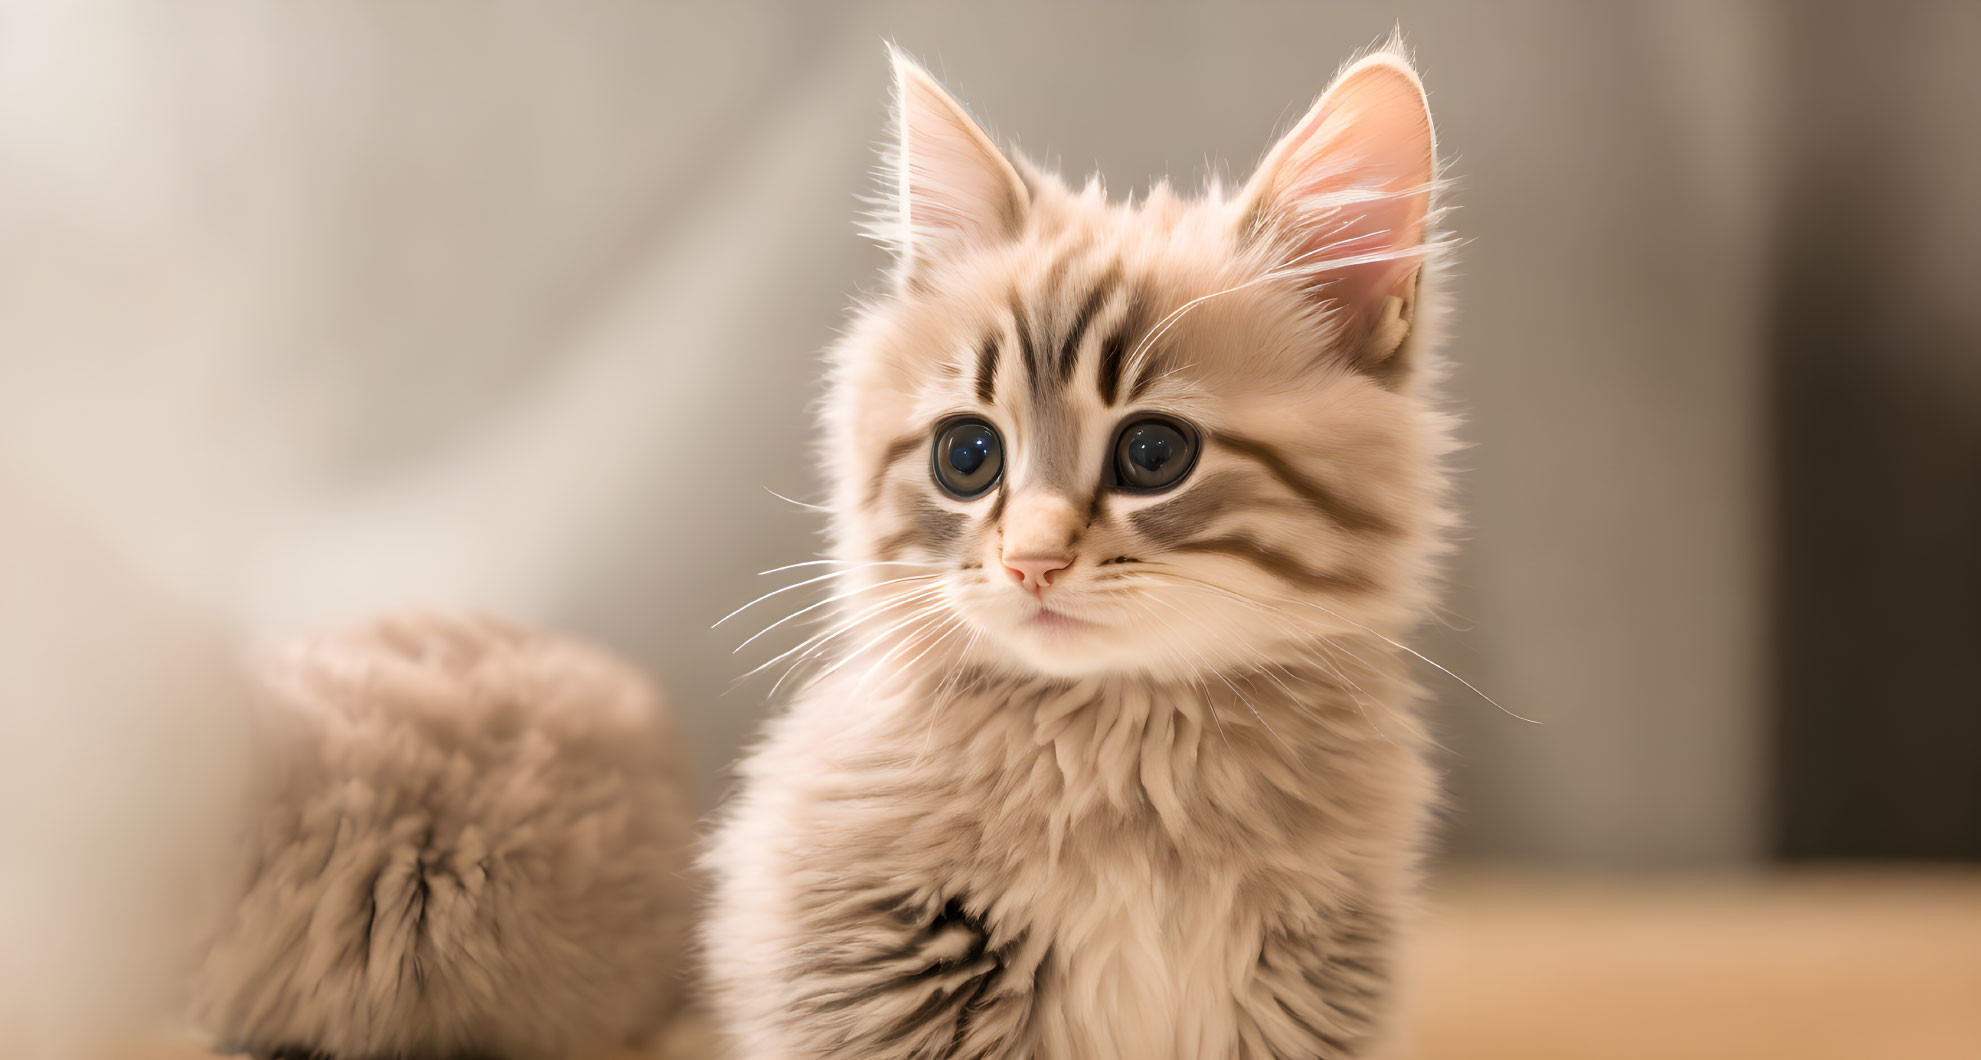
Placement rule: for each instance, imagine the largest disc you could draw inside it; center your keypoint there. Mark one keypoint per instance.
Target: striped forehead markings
(1107, 376)
(1069, 351)
(1021, 323)
(1124, 369)
(987, 369)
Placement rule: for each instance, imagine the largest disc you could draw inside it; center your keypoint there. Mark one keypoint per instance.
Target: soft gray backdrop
(311, 310)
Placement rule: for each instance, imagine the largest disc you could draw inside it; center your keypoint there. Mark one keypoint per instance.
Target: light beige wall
(318, 309)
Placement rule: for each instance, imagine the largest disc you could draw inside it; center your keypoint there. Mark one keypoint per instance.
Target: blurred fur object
(471, 840)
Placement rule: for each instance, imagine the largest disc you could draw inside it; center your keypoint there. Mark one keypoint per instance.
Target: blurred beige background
(308, 311)
(323, 309)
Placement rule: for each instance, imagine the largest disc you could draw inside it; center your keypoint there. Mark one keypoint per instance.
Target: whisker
(788, 588)
(851, 623)
(849, 564)
(1357, 693)
(816, 645)
(948, 623)
(878, 637)
(822, 642)
(1440, 666)
(1219, 673)
(834, 598)
(799, 503)
(1286, 270)
(1159, 571)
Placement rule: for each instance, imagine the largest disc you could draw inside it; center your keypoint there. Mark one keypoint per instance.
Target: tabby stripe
(1276, 562)
(1191, 511)
(1113, 349)
(1098, 503)
(1069, 351)
(987, 369)
(896, 450)
(1027, 352)
(931, 526)
(1344, 514)
(1307, 1027)
(1062, 261)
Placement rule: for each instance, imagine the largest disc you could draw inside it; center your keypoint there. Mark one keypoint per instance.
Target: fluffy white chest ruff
(1147, 965)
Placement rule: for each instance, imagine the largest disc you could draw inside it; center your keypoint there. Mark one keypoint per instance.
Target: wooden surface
(1813, 965)
(1843, 964)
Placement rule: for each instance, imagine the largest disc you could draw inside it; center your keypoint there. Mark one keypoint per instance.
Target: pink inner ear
(1348, 190)
(955, 186)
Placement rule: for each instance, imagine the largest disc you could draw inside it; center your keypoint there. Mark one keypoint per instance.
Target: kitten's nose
(1039, 529)
(1035, 572)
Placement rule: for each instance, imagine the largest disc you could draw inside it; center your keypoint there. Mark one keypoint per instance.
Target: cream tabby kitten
(1111, 754)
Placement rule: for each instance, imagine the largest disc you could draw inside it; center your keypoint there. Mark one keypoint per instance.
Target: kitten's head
(1159, 436)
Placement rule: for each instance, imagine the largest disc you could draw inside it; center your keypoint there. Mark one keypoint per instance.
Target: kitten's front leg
(903, 975)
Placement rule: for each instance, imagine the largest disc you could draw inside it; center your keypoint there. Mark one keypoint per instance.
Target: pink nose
(1035, 572)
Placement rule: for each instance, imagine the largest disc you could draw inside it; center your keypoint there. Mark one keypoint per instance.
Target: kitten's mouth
(1057, 621)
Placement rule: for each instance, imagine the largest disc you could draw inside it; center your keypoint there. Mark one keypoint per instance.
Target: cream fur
(469, 839)
(1183, 823)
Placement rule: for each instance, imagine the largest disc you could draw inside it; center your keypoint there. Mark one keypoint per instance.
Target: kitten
(1111, 753)
(469, 839)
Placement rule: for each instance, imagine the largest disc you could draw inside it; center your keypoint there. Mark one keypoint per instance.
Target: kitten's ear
(1343, 201)
(952, 188)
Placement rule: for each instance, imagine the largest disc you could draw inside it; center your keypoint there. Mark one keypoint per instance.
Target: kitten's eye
(968, 457)
(1152, 455)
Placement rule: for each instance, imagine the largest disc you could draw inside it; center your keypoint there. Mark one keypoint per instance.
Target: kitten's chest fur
(1118, 865)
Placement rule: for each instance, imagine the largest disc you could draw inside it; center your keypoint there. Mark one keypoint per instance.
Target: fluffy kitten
(469, 839)
(1111, 755)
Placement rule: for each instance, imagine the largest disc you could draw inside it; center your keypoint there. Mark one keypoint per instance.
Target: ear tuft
(1343, 201)
(950, 187)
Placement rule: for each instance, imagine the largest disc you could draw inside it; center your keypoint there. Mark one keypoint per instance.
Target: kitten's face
(1089, 438)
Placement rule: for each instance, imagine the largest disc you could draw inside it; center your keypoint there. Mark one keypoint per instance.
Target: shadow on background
(1875, 371)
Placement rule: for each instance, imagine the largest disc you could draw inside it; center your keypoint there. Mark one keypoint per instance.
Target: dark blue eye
(1153, 455)
(968, 457)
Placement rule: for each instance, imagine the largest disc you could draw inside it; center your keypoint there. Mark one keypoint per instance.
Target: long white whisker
(851, 623)
(1246, 600)
(1405, 647)
(799, 503)
(1356, 693)
(1280, 272)
(784, 589)
(848, 564)
(834, 598)
(1219, 673)
(952, 624)
(947, 623)
(882, 635)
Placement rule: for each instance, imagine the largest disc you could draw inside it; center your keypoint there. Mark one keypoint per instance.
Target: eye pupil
(968, 458)
(1153, 455)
